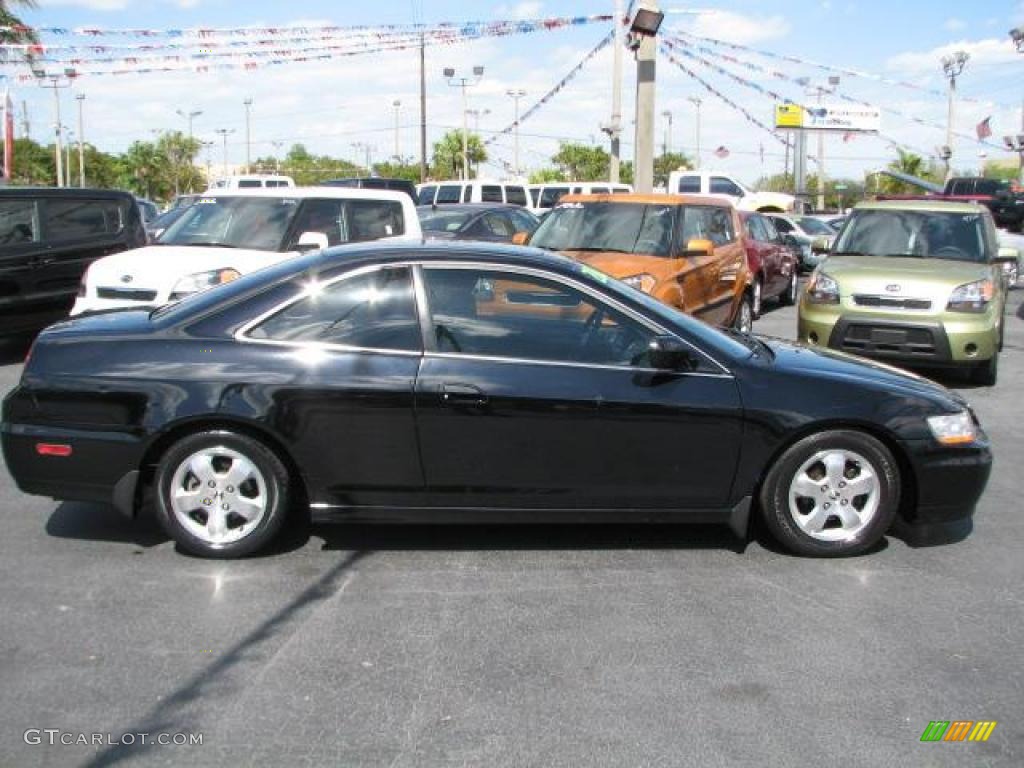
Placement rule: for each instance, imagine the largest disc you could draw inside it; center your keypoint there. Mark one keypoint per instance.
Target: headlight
(642, 282)
(972, 297)
(822, 289)
(954, 429)
(200, 281)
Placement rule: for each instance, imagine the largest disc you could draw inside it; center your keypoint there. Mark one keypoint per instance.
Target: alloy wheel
(834, 495)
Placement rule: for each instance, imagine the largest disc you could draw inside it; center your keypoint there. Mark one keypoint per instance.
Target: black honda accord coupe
(471, 382)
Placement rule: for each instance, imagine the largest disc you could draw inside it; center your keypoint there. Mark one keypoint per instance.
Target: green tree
(8, 19)
(667, 162)
(580, 162)
(407, 171)
(447, 160)
(546, 176)
(34, 164)
(912, 164)
(307, 168)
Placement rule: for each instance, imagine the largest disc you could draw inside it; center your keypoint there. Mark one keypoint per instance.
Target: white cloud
(525, 10)
(954, 24)
(739, 28)
(984, 54)
(94, 5)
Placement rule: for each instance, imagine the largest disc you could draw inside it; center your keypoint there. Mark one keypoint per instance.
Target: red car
(773, 265)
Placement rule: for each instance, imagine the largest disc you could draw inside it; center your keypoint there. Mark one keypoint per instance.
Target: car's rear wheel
(744, 322)
(221, 494)
(788, 297)
(985, 374)
(831, 494)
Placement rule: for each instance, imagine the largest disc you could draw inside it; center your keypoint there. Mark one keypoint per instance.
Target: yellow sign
(789, 116)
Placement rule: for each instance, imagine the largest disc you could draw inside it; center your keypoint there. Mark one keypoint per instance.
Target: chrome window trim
(651, 325)
(567, 364)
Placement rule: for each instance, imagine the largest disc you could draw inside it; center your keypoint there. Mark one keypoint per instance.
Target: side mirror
(667, 353)
(520, 238)
(699, 247)
(311, 241)
(820, 244)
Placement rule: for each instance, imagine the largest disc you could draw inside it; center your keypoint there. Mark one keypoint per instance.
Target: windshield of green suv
(922, 234)
(814, 226)
(234, 222)
(617, 227)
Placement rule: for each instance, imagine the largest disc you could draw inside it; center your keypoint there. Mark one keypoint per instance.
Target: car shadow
(101, 522)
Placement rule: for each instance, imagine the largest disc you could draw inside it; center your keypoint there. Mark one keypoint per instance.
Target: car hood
(911, 277)
(835, 365)
(155, 265)
(620, 264)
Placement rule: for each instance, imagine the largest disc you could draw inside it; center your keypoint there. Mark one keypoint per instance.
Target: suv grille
(905, 342)
(126, 294)
(890, 302)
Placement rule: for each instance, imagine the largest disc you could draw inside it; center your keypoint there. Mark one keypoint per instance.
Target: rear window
(449, 193)
(76, 219)
(19, 222)
(689, 184)
(490, 193)
(426, 196)
(516, 195)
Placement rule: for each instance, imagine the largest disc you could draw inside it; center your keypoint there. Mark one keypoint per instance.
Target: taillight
(60, 450)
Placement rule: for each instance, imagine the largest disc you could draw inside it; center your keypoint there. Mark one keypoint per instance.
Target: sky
(338, 107)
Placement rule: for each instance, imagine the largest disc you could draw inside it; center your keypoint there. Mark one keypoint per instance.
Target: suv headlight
(643, 282)
(822, 289)
(953, 429)
(200, 281)
(972, 297)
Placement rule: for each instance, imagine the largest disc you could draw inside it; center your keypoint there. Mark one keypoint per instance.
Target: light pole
(224, 133)
(666, 145)
(833, 81)
(695, 100)
(67, 154)
(1017, 35)
(277, 155)
(248, 134)
(80, 98)
(189, 117)
(952, 67)
(614, 127)
(476, 114)
(368, 149)
(397, 104)
(464, 82)
(57, 82)
(516, 94)
(643, 30)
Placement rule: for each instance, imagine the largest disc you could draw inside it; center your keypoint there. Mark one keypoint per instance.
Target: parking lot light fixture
(1017, 35)
(952, 66)
(56, 81)
(464, 83)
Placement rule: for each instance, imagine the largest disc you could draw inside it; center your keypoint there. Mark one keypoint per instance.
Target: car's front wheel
(744, 322)
(221, 494)
(831, 494)
(986, 373)
(788, 297)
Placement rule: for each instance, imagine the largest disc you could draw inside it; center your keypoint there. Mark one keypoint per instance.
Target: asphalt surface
(505, 646)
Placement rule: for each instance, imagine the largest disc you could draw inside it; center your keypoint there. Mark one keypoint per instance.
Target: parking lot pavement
(494, 646)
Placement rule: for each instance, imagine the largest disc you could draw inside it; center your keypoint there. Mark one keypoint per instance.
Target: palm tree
(447, 162)
(8, 19)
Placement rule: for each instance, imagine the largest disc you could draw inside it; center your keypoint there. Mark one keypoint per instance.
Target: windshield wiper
(209, 244)
(595, 249)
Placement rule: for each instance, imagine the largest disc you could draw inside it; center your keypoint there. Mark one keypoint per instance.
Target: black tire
(788, 297)
(832, 540)
(744, 320)
(985, 374)
(757, 296)
(268, 484)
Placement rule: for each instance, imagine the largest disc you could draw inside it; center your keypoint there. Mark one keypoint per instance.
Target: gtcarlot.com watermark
(56, 737)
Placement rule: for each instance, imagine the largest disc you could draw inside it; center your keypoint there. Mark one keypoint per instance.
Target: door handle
(462, 394)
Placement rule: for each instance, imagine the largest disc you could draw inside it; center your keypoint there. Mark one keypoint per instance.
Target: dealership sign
(828, 117)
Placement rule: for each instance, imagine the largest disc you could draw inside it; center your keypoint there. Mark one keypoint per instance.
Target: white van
(253, 181)
(229, 233)
(476, 191)
(543, 197)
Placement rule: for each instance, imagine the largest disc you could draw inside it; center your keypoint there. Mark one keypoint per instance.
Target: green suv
(917, 283)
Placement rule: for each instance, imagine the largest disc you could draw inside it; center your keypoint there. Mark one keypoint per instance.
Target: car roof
(467, 207)
(654, 198)
(353, 193)
(75, 192)
(933, 206)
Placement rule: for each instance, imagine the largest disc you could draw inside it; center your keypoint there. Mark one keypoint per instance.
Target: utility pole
(67, 155)
(224, 133)
(644, 29)
(833, 81)
(952, 67)
(614, 126)
(423, 108)
(397, 104)
(81, 140)
(516, 94)
(695, 100)
(464, 82)
(248, 134)
(56, 82)
(476, 115)
(26, 126)
(666, 145)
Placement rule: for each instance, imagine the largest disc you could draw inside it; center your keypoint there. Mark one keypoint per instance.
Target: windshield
(924, 234)
(444, 221)
(620, 227)
(259, 223)
(815, 226)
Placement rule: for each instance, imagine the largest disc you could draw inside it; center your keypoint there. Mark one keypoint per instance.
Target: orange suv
(683, 250)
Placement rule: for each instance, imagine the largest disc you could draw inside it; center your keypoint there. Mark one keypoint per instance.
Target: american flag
(983, 129)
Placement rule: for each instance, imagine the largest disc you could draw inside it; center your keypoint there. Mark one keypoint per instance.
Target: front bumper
(949, 481)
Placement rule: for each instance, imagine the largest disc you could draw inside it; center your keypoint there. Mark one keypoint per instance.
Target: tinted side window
(769, 230)
(19, 222)
(498, 225)
(250, 183)
(350, 221)
(599, 190)
(689, 185)
(274, 183)
(782, 225)
(490, 193)
(449, 193)
(509, 315)
(426, 196)
(551, 195)
(74, 219)
(523, 221)
(754, 229)
(706, 223)
(516, 195)
(376, 310)
(722, 186)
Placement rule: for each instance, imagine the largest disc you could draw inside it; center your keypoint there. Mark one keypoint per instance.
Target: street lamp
(476, 114)
(189, 117)
(516, 94)
(833, 82)
(224, 133)
(695, 100)
(1017, 35)
(248, 135)
(952, 67)
(57, 81)
(666, 145)
(643, 28)
(80, 98)
(464, 82)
